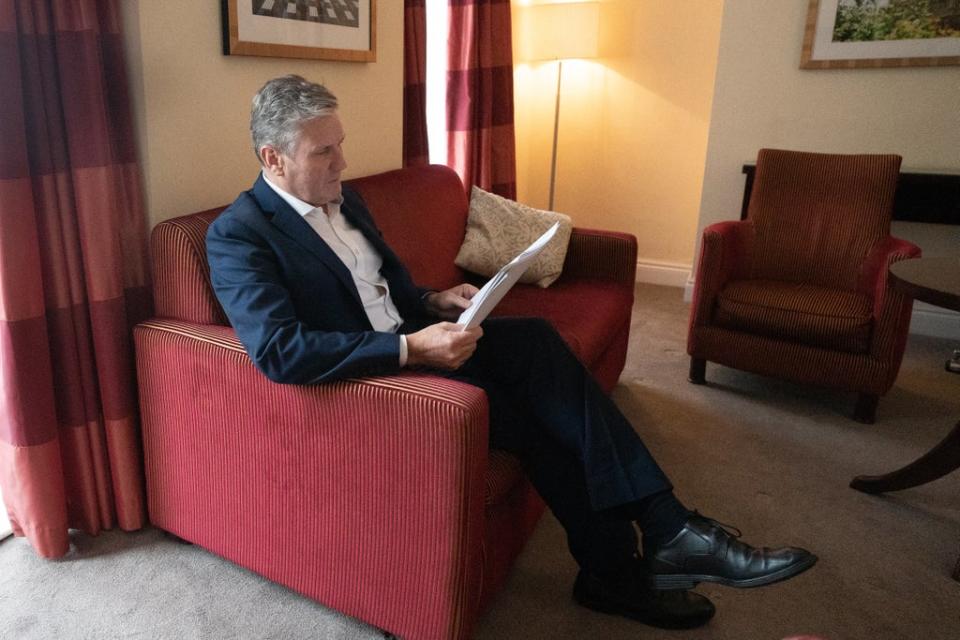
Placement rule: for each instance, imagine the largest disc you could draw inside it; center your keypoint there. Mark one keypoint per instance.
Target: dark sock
(660, 517)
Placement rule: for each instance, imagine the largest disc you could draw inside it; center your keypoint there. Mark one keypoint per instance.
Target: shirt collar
(301, 207)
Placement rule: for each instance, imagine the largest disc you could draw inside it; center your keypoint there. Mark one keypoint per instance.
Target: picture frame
(343, 30)
(839, 35)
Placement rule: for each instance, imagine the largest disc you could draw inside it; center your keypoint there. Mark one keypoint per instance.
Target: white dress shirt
(358, 255)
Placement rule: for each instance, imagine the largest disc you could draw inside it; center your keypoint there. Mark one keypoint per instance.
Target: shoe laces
(728, 528)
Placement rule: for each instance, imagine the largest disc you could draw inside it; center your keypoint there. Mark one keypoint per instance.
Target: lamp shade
(560, 30)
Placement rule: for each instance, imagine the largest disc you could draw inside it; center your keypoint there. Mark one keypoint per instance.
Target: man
(316, 295)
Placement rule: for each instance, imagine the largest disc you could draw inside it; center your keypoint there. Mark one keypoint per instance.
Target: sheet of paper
(493, 291)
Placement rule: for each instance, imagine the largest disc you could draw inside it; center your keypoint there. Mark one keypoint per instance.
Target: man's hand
(450, 304)
(442, 346)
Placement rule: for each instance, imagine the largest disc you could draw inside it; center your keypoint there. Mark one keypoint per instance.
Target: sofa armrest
(605, 255)
(366, 495)
(725, 252)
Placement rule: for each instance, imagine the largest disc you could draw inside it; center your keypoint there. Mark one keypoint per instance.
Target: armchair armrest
(875, 270)
(366, 494)
(725, 252)
(891, 309)
(605, 255)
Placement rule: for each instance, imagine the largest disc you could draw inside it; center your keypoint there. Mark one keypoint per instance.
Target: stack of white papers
(490, 295)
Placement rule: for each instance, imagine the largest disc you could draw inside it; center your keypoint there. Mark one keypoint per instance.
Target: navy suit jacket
(290, 298)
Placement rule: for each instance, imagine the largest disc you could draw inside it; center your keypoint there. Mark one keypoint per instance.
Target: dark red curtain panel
(480, 135)
(415, 145)
(73, 273)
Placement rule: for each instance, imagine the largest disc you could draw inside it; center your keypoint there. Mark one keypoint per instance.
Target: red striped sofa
(798, 290)
(375, 496)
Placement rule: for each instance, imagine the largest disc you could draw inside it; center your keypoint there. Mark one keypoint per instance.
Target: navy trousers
(579, 451)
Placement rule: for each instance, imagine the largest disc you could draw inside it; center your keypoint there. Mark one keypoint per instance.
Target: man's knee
(521, 346)
(531, 328)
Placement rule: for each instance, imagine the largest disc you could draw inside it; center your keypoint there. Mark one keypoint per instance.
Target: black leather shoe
(633, 598)
(704, 551)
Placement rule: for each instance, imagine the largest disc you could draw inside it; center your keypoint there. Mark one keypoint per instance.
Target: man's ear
(272, 160)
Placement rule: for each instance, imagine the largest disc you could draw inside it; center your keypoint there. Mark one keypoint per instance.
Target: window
(437, 16)
(5, 528)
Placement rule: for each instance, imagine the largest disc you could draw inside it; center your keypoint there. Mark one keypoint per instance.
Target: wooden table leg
(936, 463)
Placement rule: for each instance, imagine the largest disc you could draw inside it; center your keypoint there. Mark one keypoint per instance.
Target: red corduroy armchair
(798, 290)
(375, 496)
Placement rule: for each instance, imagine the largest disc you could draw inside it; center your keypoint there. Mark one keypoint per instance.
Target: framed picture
(844, 34)
(317, 29)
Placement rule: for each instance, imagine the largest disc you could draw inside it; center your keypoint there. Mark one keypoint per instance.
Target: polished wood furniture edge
(935, 280)
(942, 459)
(928, 197)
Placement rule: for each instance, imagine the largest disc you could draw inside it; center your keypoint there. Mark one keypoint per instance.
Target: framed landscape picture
(318, 29)
(881, 33)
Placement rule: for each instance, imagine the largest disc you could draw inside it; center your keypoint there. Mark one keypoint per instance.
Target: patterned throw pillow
(498, 229)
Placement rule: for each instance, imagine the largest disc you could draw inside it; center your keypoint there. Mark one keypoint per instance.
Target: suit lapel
(292, 224)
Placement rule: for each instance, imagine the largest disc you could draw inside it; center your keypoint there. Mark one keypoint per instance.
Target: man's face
(312, 170)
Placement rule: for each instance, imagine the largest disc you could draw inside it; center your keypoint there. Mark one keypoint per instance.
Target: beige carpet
(772, 458)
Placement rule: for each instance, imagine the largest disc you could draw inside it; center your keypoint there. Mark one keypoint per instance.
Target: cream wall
(191, 103)
(633, 131)
(763, 99)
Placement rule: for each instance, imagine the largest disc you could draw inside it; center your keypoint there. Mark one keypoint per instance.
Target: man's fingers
(463, 343)
(452, 300)
(444, 345)
(459, 329)
(450, 303)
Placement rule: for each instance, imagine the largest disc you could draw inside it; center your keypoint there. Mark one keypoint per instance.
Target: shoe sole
(667, 582)
(652, 621)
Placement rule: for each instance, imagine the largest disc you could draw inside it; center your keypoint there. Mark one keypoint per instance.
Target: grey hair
(280, 108)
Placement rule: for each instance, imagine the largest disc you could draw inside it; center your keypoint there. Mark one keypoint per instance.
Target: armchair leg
(698, 371)
(866, 409)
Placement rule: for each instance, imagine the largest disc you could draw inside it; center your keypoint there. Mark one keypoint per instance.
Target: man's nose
(340, 162)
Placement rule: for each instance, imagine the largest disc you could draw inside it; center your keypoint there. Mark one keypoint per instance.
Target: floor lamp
(560, 31)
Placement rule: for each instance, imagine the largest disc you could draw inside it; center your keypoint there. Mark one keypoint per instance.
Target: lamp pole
(546, 30)
(556, 131)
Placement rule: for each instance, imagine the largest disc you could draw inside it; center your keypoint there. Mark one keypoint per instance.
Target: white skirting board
(5, 528)
(927, 319)
(668, 274)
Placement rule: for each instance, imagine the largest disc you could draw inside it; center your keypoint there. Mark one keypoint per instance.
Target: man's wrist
(403, 351)
(425, 299)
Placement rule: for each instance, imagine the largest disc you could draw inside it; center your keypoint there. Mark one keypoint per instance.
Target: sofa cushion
(422, 213)
(803, 313)
(498, 229)
(586, 312)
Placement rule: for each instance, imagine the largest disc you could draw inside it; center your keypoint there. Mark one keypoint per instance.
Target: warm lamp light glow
(559, 31)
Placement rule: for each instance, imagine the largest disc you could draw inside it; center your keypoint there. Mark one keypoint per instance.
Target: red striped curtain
(415, 145)
(73, 273)
(480, 134)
